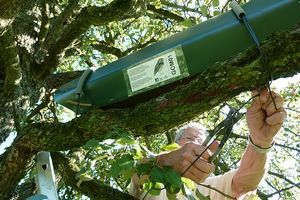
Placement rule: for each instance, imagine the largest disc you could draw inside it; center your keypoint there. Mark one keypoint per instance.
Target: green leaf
(187, 23)
(128, 173)
(188, 182)
(171, 147)
(143, 168)
(115, 170)
(138, 155)
(126, 162)
(201, 196)
(85, 177)
(158, 6)
(93, 143)
(127, 182)
(172, 189)
(82, 171)
(157, 174)
(146, 152)
(253, 197)
(109, 135)
(155, 189)
(204, 10)
(105, 147)
(171, 196)
(126, 139)
(172, 177)
(216, 12)
(122, 164)
(215, 3)
(83, 174)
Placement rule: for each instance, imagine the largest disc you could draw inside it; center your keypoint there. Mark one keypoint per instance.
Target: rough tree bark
(203, 92)
(23, 69)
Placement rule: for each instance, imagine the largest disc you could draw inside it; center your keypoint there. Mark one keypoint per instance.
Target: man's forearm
(250, 172)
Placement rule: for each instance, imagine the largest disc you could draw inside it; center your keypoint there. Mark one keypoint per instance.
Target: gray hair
(196, 125)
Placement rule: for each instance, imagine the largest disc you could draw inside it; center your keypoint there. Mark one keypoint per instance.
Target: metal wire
(78, 105)
(216, 133)
(224, 124)
(262, 55)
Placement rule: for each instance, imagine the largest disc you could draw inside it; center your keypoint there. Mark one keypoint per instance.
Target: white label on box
(153, 72)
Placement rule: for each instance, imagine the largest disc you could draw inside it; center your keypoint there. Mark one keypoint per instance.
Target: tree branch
(195, 95)
(276, 144)
(45, 20)
(171, 109)
(282, 190)
(56, 28)
(11, 61)
(176, 6)
(287, 147)
(217, 190)
(93, 189)
(6, 119)
(140, 46)
(54, 81)
(165, 13)
(24, 190)
(13, 164)
(281, 176)
(262, 195)
(9, 8)
(98, 16)
(45, 102)
(104, 47)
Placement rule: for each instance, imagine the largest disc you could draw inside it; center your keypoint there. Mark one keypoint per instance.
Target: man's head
(192, 132)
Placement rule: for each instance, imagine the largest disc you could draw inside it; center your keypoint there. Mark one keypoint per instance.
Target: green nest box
(154, 69)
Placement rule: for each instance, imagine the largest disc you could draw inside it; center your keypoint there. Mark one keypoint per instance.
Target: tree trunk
(31, 46)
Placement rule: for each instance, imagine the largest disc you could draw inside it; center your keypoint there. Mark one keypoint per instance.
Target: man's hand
(263, 119)
(182, 158)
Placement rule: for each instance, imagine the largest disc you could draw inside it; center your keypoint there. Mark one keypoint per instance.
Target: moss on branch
(184, 103)
(189, 99)
(11, 61)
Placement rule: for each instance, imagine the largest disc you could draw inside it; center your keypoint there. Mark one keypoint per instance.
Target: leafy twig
(215, 189)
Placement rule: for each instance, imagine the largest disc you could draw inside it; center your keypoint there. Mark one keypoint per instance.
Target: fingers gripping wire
(241, 15)
(224, 128)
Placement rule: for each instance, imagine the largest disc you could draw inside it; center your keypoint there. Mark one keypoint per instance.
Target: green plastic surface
(202, 45)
